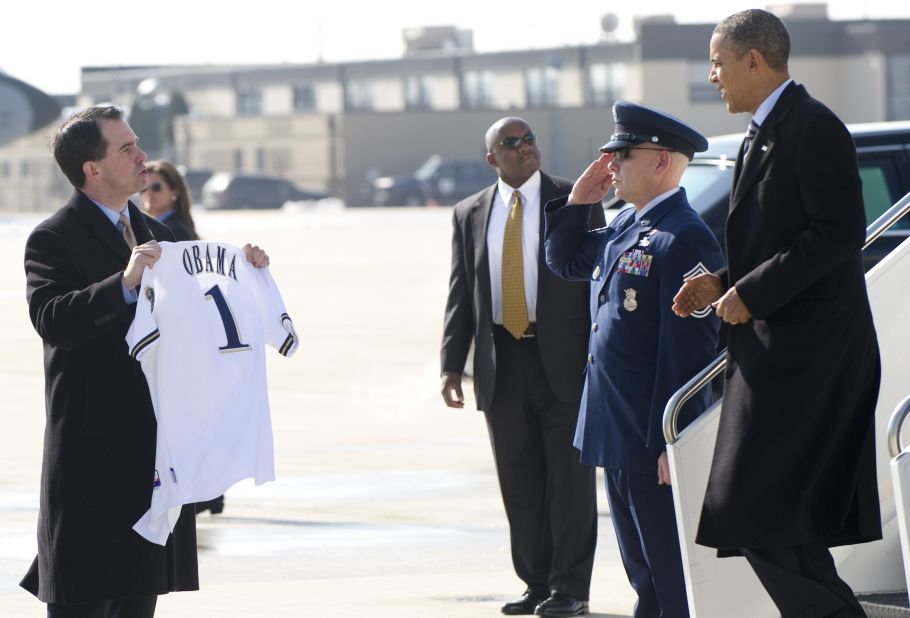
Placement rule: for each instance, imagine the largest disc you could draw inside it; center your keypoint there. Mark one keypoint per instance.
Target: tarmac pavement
(386, 502)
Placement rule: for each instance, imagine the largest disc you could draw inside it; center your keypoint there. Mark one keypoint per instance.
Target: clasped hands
(706, 289)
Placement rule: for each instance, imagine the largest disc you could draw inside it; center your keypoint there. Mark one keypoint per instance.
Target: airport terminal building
(336, 126)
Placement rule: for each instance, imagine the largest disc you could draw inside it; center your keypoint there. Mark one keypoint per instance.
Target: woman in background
(167, 199)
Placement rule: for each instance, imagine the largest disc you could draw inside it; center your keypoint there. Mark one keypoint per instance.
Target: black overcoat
(99, 440)
(795, 459)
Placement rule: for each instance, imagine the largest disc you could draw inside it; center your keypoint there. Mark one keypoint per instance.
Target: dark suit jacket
(562, 306)
(99, 441)
(180, 227)
(795, 457)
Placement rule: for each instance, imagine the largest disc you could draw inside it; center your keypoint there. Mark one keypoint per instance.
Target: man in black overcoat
(793, 472)
(99, 442)
(529, 359)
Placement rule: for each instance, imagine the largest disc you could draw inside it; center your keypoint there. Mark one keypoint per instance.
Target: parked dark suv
(226, 190)
(438, 181)
(884, 164)
(195, 179)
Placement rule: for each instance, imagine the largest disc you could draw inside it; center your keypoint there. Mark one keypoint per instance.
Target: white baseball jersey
(202, 321)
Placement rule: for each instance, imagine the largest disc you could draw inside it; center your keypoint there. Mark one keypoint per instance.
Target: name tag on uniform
(635, 262)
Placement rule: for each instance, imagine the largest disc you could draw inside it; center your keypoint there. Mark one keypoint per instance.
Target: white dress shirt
(530, 241)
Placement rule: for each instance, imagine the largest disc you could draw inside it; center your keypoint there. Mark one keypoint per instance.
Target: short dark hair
(79, 139)
(757, 29)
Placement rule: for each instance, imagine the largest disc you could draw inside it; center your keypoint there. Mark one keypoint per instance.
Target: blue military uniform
(639, 351)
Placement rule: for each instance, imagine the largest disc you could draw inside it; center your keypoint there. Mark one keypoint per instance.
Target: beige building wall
(571, 87)
(277, 100)
(852, 86)
(30, 180)
(388, 94)
(444, 91)
(215, 101)
(509, 90)
(299, 147)
(329, 98)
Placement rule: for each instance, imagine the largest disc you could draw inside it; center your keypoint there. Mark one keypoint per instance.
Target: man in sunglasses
(529, 331)
(639, 352)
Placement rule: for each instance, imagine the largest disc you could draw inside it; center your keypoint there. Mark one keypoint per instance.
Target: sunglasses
(514, 142)
(624, 154)
(155, 187)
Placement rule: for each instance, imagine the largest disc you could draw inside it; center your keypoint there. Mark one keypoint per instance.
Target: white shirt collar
(529, 190)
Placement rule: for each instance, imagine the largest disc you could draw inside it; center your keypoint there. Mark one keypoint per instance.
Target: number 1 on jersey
(227, 319)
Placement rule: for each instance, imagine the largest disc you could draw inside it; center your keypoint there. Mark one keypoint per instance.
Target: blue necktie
(750, 135)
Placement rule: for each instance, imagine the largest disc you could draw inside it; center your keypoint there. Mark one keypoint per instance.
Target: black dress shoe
(560, 604)
(524, 605)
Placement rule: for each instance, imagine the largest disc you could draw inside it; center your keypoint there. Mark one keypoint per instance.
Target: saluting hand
(143, 256)
(593, 184)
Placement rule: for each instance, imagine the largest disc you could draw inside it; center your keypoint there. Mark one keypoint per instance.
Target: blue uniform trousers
(645, 525)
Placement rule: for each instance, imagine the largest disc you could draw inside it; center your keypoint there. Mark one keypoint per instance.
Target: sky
(46, 42)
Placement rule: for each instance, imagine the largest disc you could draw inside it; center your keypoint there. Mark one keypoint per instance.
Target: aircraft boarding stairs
(726, 587)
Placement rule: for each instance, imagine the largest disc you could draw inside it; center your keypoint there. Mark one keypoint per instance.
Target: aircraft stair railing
(719, 588)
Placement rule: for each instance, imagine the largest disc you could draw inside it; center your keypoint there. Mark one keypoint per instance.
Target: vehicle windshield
(706, 182)
(426, 171)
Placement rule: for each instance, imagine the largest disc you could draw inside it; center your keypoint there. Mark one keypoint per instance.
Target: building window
(304, 97)
(359, 95)
(249, 101)
(4, 169)
(605, 83)
(700, 89)
(898, 84)
(417, 92)
(542, 87)
(477, 89)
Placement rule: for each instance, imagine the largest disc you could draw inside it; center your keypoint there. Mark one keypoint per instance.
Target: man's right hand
(697, 293)
(594, 183)
(144, 256)
(451, 390)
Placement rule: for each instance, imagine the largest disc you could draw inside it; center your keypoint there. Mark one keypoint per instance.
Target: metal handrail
(704, 377)
(894, 426)
(680, 397)
(887, 219)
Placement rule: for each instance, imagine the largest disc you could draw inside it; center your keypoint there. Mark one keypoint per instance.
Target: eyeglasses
(514, 142)
(155, 187)
(624, 154)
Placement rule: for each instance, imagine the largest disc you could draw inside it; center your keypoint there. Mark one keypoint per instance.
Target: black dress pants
(803, 581)
(141, 607)
(549, 495)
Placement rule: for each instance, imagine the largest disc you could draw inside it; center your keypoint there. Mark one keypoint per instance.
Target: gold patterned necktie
(514, 307)
(128, 235)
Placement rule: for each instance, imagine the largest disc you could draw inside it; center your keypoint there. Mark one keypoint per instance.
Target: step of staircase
(885, 605)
